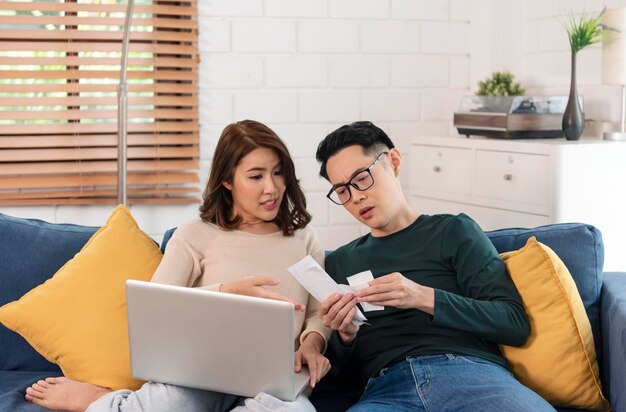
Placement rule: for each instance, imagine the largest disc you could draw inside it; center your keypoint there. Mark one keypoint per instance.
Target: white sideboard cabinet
(525, 183)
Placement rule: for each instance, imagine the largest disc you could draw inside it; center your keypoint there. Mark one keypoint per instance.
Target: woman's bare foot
(63, 394)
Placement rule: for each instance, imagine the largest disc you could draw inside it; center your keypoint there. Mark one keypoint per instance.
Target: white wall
(305, 67)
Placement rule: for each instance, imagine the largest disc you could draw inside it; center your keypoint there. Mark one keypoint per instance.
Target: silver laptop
(209, 340)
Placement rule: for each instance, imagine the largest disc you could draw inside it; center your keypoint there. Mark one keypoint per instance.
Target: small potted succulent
(496, 92)
(500, 84)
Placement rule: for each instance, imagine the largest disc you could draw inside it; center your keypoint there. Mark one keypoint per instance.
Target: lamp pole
(614, 61)
(122, 111)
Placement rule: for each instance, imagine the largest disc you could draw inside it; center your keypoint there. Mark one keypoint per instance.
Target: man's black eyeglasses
(363, 180)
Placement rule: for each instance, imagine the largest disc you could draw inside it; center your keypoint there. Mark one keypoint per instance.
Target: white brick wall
(358, 71)
(236, 72)
(232, 8)
(460, 72)
(261, 35)
(446, 38)
(337, 106)
(390, 36)
(359, 9)
(274, 106)
(330, 62)
(420, 71)
(296, 71)
(217, 35)
(328, 36)
(295, 8)
(420, 9)
(385, 105)
(306, 67)
(216, 107)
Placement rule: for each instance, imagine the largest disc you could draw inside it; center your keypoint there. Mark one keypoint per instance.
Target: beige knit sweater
(201, 254)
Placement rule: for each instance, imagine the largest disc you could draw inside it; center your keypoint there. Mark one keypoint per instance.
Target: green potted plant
(500, 84)
(585, 31)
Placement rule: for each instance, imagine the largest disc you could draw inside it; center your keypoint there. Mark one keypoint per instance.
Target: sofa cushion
(580, 247)
(558, 361)
(78, 318)
(31, 251)
(13, 386)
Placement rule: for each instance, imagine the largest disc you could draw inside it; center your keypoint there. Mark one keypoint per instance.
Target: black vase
(573, 118)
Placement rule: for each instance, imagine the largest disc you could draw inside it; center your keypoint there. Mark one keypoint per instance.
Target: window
(59, 70)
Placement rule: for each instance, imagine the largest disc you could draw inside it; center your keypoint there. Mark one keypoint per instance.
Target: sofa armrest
(613, 318)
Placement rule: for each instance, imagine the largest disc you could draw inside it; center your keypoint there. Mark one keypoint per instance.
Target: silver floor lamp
(122, 112)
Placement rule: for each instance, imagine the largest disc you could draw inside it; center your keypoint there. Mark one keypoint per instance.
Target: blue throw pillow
(31, 251)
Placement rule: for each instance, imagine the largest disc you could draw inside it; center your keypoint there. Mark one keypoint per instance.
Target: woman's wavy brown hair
(238, 140)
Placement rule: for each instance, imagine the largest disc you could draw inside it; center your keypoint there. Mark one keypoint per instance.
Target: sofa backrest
(31, 251)
(166, 238)
(580, 247)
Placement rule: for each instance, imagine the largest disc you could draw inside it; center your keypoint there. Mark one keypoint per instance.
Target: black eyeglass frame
(354, 185)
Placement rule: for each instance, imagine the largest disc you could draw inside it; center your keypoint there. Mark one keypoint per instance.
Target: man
(448, 301)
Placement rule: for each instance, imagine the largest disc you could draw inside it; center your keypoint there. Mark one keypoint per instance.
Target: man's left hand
(397, 291)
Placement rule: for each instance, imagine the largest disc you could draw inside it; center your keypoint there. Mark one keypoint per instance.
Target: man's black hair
(365, 134)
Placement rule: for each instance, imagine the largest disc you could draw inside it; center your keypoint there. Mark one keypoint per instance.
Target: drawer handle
(437, 169)
(508, 177)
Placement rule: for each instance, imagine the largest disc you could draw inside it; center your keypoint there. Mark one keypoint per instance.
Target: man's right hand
(337, 312)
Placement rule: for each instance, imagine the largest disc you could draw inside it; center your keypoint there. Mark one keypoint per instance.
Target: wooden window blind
(59, 70)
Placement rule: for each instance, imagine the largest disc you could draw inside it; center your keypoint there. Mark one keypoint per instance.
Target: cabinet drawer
(441, 169)
(517, 177)
(487, 218)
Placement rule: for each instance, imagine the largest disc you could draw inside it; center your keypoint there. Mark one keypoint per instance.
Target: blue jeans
(447, 383)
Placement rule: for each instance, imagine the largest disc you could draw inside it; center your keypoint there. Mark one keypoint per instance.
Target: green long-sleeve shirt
(476, 304)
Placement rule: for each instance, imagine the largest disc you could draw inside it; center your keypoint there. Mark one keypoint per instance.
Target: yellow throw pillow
(77, 318)
(559, 359)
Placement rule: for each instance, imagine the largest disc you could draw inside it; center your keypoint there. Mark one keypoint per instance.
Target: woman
(252, 226)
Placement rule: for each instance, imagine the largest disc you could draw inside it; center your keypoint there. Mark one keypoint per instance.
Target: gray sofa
(31, 251)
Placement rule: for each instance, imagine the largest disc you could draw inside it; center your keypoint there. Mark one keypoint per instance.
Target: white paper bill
(367, 307)
(319, 283)
(360, 281)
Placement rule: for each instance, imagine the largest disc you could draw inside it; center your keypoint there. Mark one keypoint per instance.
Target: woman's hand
(310, 354)
(256, 286)
(397, 291)
(337, 312)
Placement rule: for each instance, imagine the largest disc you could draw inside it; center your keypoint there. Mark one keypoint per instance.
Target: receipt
(360, 281)
(319, 283)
